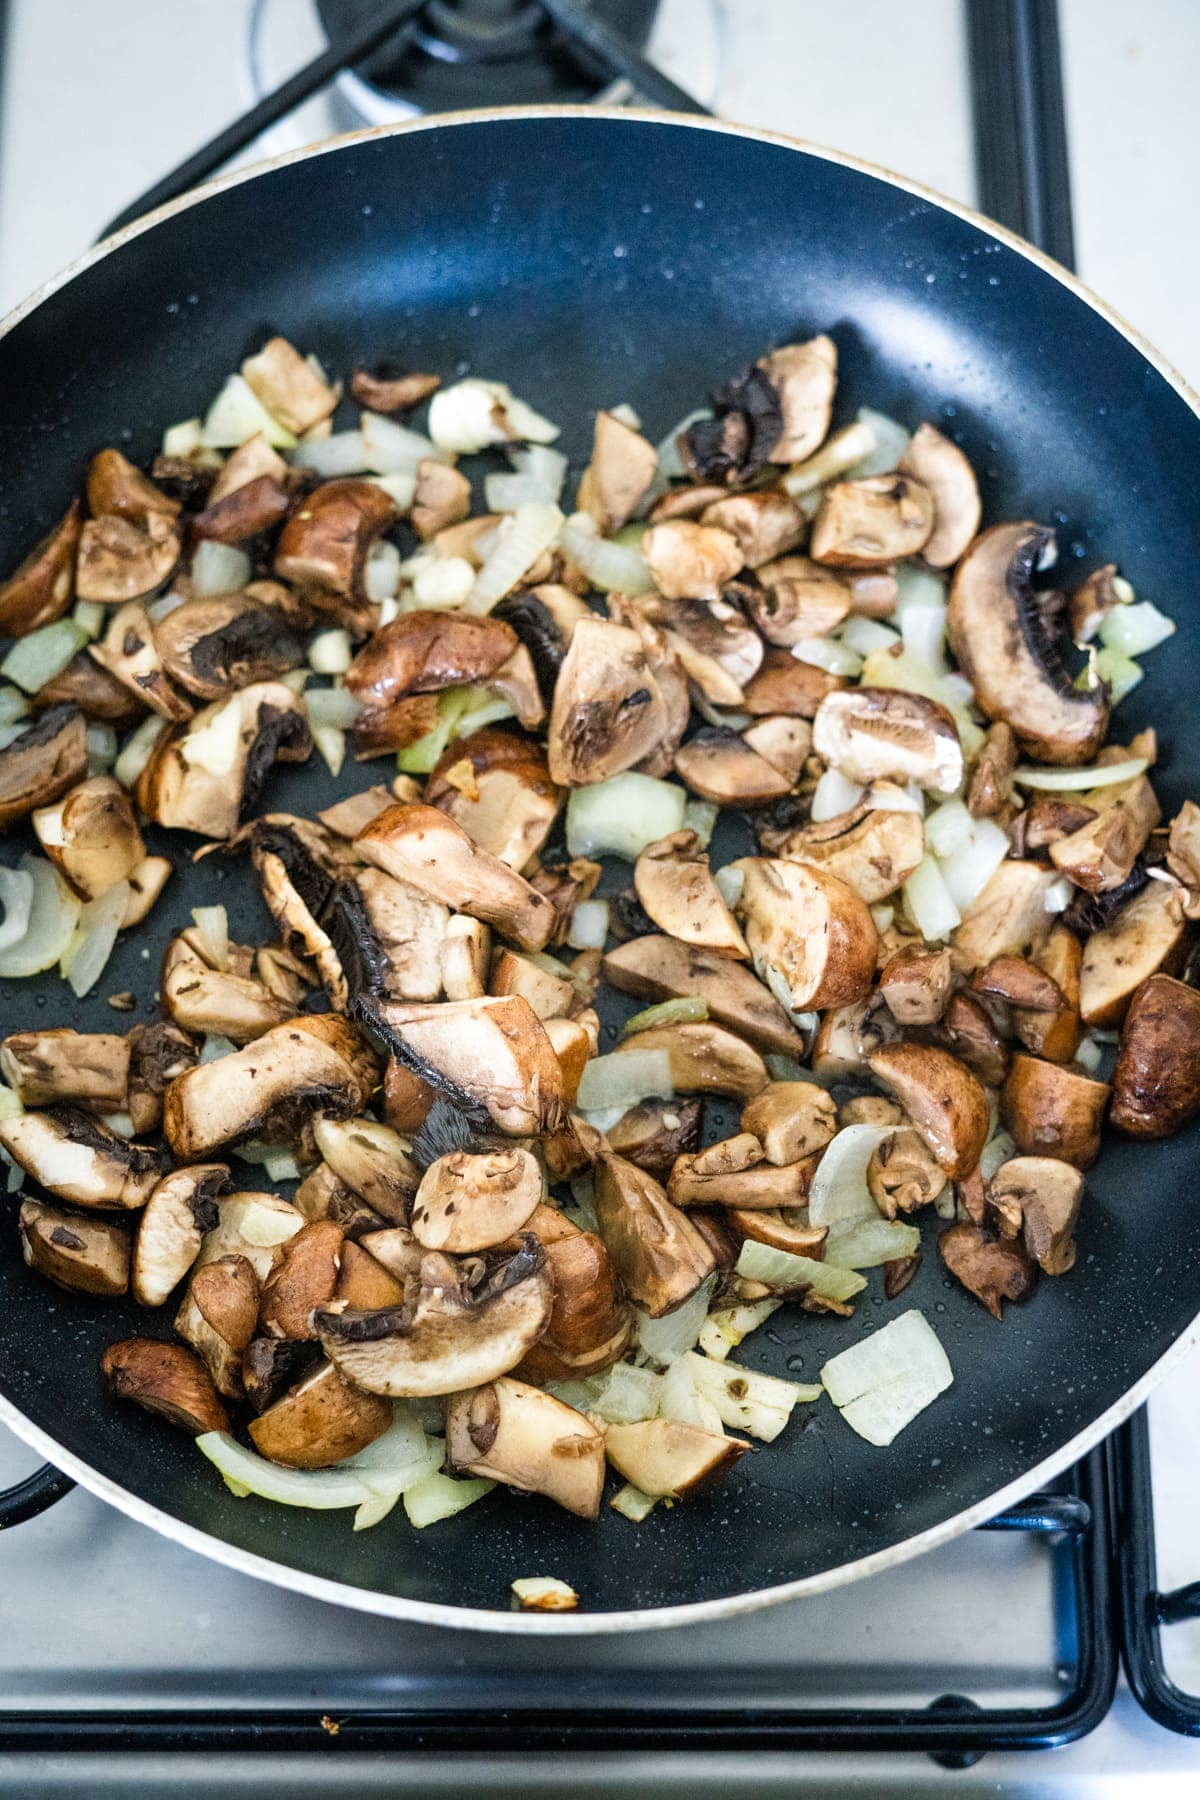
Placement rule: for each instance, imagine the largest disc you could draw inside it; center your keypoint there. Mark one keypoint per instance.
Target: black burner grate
(1143, 1608)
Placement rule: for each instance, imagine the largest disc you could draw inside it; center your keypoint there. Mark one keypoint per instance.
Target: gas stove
(130, 1666)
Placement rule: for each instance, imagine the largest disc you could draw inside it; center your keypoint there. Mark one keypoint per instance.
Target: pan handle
(26, 1499)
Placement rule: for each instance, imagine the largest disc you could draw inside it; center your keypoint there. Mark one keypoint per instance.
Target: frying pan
(587, 258)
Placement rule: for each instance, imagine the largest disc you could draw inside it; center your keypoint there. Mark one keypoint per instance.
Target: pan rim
(582, 1624)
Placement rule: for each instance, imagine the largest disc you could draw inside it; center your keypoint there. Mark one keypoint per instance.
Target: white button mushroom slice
(467, 1202)
(373, 1161)
(703, 1058)
(915, 983)
(804, 377)
(670, 1457)
(466, 958)
(848, 1036)
(91, 835)
(289, 386)
(689, 561)
(213, 645)
(699, 1180)
(998, 633)
(47, 1068)
(507, 803)
(722, 766)
(942, 1098)
(462, 1328)
(205, 779)
(420, 845)
(491, 1052)
(939, 465)
(1100, 855)
(876, 520)
(881, 734)
(77, 1158)
(795, 598)
(181, 1210)
(620, 474)
(550, 993)
(1148, 935)
(509, 1431)
(808, 931)
(787, 686)
(992, 1268)
(410, 928)
(676, 888)
(87, 1254)
(661, 968)
(658, 1252)
(609, 712)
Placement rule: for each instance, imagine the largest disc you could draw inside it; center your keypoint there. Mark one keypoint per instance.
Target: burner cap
(466, 53)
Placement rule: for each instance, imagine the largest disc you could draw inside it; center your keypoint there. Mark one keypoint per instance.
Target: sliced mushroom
(942, 1098)
(1100, 855)
(660, 968)
(372, 1160)
(509, 1431)
(157, 1054)
(991, 782)
(881, 734)
(396, 1250)
(791, 1119)
(48, 1068)
(467, 1203)
(269, 1090)
(796, 598)
(442, 497)
(765, 524)
(363, 1283)
(788, 686)
(1020, 983)
(872, 848)
(250, 462)
(203, 999)
(903, 1174)
(659, 1254)
(42, 762)
(1038, 1198)
(654, 1132)
(876, 520)
(704, 1058)
(167, 1379)
(39, 590)
(1055, 1110)
(804, 379)
(808, 932)
(270, 1366)
(490, 1053)
(968, 1031)
(550, 994)
(1047, 820)
(993, 1269)
(785, 743)
(129, 653)
(77, 1158)
(324, 546)
(407, 1099)
(1007, 918)
(466, 958)
(591, 1322)
(121, 558)
(609, 711)
(305, 1277)
(915, 983)
(97, 694)
(676, 888)
(1156, 1082)
(321, 1195)
(321, 1421)
(209, 778)
(422, 653)
(289, 387)
(619, 476)
(717, 648)
(1148, 936)
(940, 466)
(848, 1035)
(671, 1458)
(242, 512)
(720, 765)
(466, 1324)
(392, 393)
(218, 1316)
(91, 836)
(514, 803)
(88, 1255)
(212, 646)
(1055, 1033)
(689, 561)
(1010, 653)
(700, 1180)
(181, 1210)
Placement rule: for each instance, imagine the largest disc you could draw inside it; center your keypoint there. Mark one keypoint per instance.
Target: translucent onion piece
(747, 1400)
(212, 923)
(101, 748)
(891, 441)
(10, 1105)
(1059, 895)
(399, 488)
(728, 1326)
(866, 635)
(333, 708)
(322, 1489)
(730, 881)
(631, 1503)
(780, 1269)
(333, 458)
(282, 1166)
(444, 581)
(701, 817)
(34, 660)
(949, 829)
(841, 452)
(524, 536)
(1089, 1055)
(882, 1382)
(471, 414)
(214, 1047)
(623, 1395)
(589, 925)
(331, 746)
(1132, 630)
(619, 817)
(16, 896)
(219, 568)
(833, 795)
(13, 705)
(930, 902)
(624, 1079)
(662, 1340)
(137, 749)
(923, 628)
(394, 449)
(438, 1496)
(85, 958)
(689, 1009)
(90, 616)
(670, 462)
(1120, 672)
(998, 1149)
(1065, 781)
(330, 653)
(53, 915)
(837, 658)
(681, 1399)
(968, 873)
(613, 567)
(236, 414)
(183, 439)
(866, 1243)
(839, 1188)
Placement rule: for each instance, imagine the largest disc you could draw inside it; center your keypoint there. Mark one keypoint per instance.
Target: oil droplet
(795, 1363)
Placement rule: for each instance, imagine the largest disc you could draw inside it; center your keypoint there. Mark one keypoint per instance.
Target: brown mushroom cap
(968, 1031)
(1156, 1082)
(661, 968)
(288, 385)
(882, 734)
(1147, 937)
(689, 561)
(1007, 918)
(804, 378)
(181, 1209)
(669, 1457)
(39, 590)
(1100, 855)
(1054, 1110)
(876, 520)
(454, 1334)
(659, 1254)
(76, 1157)
(765, 524)
(848, 1035)
(1021, 983)
(324, 545)
(270, 1366)
(218, 1317)
(720, 765)
(812, 930)
(996, 628)
(718, 650)
(167, 1379)
(942, 1098)
(791, 1120)
(442, 497)
(514, 803)
(509, 1431)
(243, 512)
(467, 1203)
(609, 711)
(903, 1174)
(47, 1068)
(796, 598)
(915, 983)
(654, 1132)
(89, 1255)
(590, 1324)
(762, 1186)
(121, 558)
(214, 645)
(1039, 1197)
(1055, 1033)
(492, 1052)
(203, 999)
(676, 888)
(939, 465)
(91, 836)
(424, 652)
(320, 1422)
(788, 686)
(705, 1058)
(872, 848)
(209, 783)
(784, 742)
(157, 1054)
(991, 781)
(993, 1269)
(304, 1277)
(48, 757)
(392, 393)
(549, 993)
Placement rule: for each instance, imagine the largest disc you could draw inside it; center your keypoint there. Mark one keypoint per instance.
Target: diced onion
(212, 924)
(1059, 895)
(883, 916)
(883, 1381)
(842, 450)
(622, 1395)
(1120, 672)
(670, 462)
(394, 449)
(839, 1187)
(1089, 1055)
(866, 1243)
(219, 568)
(967, 874)
(38, 658)
(662, 1340)
(215, 1046)
(833, 795)
(615, 568)
(589, 925)
(214, 745)
(53, 915)
(438, 1496)
(331, 746)
(333, 458)
(16, 896)
(537, 480)
(137, 749)
(90, 617)
(281, 1165)
(891, 441)
(84, 960)
(473, 413)
(929, 901)
(184, 439)
(237, 414)
(101, 748)
(780, 1269)
(682, 1399)
(381, 579)
(998, 1149)
(730, 881)
(403, 1458)
(866, 635)
(726, 1328)
(1073, 780)
(949, 829)
(524, 536)
(619, 817)
(444, 581)
(923, 628)
(400, 488)
(631, 1503)
(689, 1009)
(625, 1078)
(1132, 630)
(10, 1107)
(747, 1400)
(701, 817)
(13, 705)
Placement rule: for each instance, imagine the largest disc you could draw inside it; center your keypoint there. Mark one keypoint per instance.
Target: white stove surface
(98, 1611)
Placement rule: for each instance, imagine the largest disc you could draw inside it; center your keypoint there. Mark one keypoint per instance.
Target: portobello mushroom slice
(609, 710)
(590, 1323)
(993, 1269)
(678, 893)
(157, 1054)
(77, 1158)
(1054, 1110)
(39, 591)
(704, 1058)
(420, 845)
(507, 804)
(719, 764)
(305, 1277)
(91, 836)
(202, 999)
(671, 1458)
(181, 1211)
(167, 1379)
(509, 1431)
(871, 522)
(467, 1203)
(490, 1055)
(1148, 936)
(62, 1066)
(659, 1254)
(619, 476)
(324, 546)
(130, 655)
(1156, 1082)
(121, 558)
(791, 1120)
(942, 1098)
(218, 1316)
(465, 1324)
(940, 466)
(208, 778)
(1037, 1198)
(872, 849)
(808, 932)
(321, 1421)
(661, 968)
(269, 1090)
(88, 1255)
(880, 734)
(654, 1132)
(212, 646)
(1011, 653)
(42, 762)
